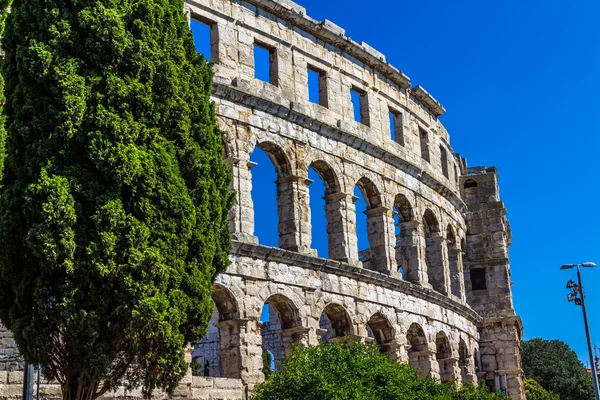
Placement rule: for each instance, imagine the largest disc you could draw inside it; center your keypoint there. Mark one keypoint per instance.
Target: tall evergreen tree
(115, 196)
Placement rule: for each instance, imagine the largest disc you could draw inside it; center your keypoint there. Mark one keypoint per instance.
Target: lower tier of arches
(263, 308)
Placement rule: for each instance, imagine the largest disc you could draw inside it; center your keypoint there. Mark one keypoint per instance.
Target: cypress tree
(115, 196)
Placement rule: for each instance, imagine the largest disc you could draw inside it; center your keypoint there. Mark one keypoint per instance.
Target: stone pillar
(424, 362)
(448, 369)
(293, 337)
(341, 227)
(294, 213)
(467, 371)
(240, 355)
(380, 229)
(241, 215)
(457, 283)
(437, 263)
(407, 252)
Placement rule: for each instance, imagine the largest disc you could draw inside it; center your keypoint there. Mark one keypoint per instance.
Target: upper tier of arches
(358, 94)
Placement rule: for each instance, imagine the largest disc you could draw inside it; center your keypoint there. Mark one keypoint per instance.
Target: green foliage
(535, 391)
(115, 197)
(267, 360)
(355, 372)
(556, 367)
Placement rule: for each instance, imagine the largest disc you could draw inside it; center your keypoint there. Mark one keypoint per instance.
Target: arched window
(274, 203)
(278, 316)
(381, 330)
(407, 253)
(326, 221)
(217, 351)
(418, 351)
(433, 252)
(444, 358)
(335, 323)
(372, 251)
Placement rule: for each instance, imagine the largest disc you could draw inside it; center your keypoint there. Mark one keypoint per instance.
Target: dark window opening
(205, 38)
(478, 279)
(470, 183)
(396, 127)
(444, 160)
(360, 103)
(317, 86)
(424, 144)
(265, 64)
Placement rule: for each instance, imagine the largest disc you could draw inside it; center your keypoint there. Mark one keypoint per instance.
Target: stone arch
(335, 322)
(418, 350)
(280, 159)
(380, 256)
(329, 176)
(443, 354)
(382, 332)
(430, 223)
(292, 199)
(370, 192)
(406, 243)
(334, 207)
(283, 329)
(403, 208)
(225, 303)
(434, 252)
(218, 351)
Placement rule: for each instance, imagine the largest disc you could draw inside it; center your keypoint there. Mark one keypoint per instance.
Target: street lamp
(580, 301)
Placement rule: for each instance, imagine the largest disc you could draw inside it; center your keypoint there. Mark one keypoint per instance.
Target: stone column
(293, 337)
(240, 355)
(294, 213)
(448, 369)
(407, 252)
(457, 283)
(437, 265)
(380, 228)
(341, 227)
(241, 216)
(424, 362)
(467, 371)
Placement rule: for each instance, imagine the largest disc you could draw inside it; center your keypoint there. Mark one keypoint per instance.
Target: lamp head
(588, 264)
(567, 266)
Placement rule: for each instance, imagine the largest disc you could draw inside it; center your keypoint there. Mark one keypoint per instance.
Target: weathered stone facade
(437, 295)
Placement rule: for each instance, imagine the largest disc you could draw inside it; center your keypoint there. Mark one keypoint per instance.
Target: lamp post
(580, 301)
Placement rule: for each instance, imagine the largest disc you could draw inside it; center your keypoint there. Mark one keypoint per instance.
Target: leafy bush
(356, 371)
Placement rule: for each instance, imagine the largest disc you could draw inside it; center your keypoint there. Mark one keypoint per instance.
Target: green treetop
(114, 199)
(556, 367)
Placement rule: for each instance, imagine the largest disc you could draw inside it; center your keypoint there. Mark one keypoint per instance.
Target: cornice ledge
(432, 104)
(275, 254)
(282, 109)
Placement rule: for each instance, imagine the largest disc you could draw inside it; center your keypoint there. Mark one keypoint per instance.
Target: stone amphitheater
(436, 295)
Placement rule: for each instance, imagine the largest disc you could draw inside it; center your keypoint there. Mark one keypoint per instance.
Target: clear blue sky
(520, 80)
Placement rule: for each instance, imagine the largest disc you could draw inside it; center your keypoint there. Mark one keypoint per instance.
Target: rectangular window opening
(478, 279)
(205, 38)
(444, 160)
(424, 138)
(396, 126)
(360, 103)
(265, 63)
(317, 86)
